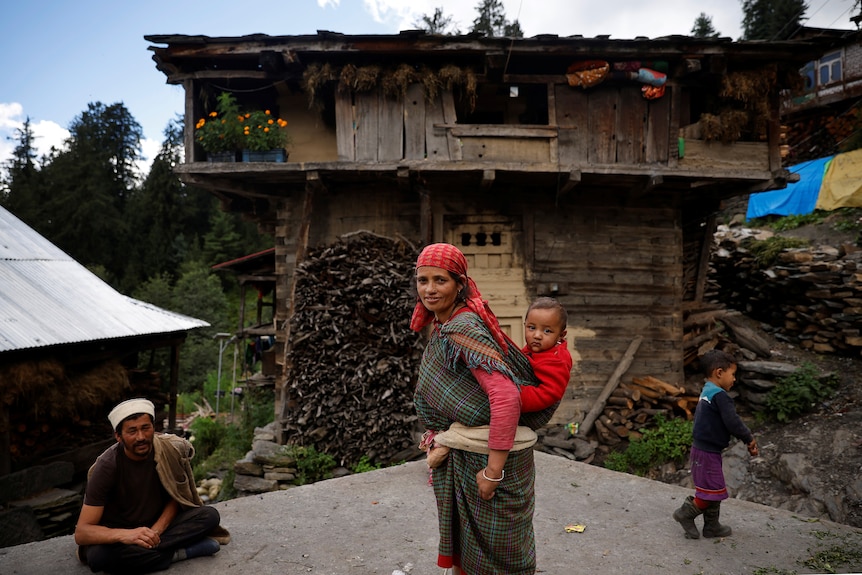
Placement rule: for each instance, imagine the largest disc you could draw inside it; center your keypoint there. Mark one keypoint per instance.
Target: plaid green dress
(492, 537)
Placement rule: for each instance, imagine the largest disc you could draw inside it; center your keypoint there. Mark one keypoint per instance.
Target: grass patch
(670, 440)
(799, 393)
(766, 252)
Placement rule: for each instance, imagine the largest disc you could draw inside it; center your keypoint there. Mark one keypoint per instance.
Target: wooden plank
(602, 126)
(366, 126)
(735, 157)
(390, 143)
(450, 117)
(630, 126)
(657, 131)
(191, 110)
(614, 380)
(505, 149)
(414, 123)
(344, 127)
(436, 146)
(572, 119)
(679, 116)
(493, 130)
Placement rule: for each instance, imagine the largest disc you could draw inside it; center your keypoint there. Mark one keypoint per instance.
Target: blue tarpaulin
(798, 198)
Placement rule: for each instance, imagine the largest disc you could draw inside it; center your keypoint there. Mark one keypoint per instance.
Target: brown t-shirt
(130, 491)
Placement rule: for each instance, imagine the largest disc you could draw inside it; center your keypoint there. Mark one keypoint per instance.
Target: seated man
(141, 508)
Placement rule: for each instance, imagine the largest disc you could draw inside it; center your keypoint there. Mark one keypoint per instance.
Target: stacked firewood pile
(811, 296)
(633, 405)
(353, 360)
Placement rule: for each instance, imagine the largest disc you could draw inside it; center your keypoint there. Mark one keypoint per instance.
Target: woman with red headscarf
(467, 397)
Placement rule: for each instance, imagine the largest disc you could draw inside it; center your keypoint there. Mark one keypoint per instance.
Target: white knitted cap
(130, 407)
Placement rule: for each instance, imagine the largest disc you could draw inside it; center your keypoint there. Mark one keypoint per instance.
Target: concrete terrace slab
(382, 521)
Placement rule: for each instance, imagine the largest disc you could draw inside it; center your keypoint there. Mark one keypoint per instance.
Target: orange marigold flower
(213, 114)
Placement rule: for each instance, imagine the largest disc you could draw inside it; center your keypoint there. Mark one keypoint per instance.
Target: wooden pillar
(172, 400)
(312, 184)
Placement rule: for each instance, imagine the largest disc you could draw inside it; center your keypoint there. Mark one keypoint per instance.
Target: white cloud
(150, 149)
(325, 3)
(45, 133)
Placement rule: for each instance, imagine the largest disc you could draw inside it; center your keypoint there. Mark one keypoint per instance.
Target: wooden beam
(648, 184)
(402, 175)
(613, 381)
(571, 180)
(488, 177)
(313, 184)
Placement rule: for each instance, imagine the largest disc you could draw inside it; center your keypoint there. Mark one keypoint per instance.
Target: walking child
(715, 421)
(545, 333)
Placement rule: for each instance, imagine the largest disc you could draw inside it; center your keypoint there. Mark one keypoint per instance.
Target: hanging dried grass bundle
(431, 82)
(313, 80)
(751, 87)
(710, 126)
(450, 76)
(347, 78)
(395, 82)
(366, 78)
(733, 124)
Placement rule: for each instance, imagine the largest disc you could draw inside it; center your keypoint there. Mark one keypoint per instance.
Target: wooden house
(822, 114)
(587, 169)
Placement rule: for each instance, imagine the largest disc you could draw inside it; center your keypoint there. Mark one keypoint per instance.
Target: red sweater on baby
(552, 368)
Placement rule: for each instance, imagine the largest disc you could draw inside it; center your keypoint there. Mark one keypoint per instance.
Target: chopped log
(613, 382)
(632, 394)
(620, 401)
(645, 392)
(658, 385)
(605, 435)
(746, 337)
(620, 430)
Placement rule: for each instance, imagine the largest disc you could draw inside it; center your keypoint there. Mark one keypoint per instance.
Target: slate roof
(47, 298)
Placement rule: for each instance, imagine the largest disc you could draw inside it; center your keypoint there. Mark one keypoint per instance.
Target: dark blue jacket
(715, 420)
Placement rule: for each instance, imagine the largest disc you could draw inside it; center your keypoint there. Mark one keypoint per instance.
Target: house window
(829, 69)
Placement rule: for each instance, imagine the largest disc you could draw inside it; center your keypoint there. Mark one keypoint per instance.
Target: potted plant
(219, 133)
(263, 137)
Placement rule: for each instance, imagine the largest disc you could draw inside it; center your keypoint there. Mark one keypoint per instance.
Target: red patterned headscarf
(450, 258)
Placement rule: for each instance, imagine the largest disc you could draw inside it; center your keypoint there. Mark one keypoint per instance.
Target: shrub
(311, 465)
(670, 440)
(799, 392)
(766, 252)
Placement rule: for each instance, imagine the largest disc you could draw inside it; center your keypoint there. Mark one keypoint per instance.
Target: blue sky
(57, 56)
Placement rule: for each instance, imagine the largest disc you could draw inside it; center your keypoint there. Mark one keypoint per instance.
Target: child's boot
(711, 526)
(685, 516)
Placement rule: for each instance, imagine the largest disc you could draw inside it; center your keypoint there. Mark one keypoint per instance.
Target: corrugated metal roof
(47, 298)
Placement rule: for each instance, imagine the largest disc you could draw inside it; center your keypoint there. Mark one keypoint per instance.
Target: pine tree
(492, 21)
(703, 27)
(437, 24)
(772, 19)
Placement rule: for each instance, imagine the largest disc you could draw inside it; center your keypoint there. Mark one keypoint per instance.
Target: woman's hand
(486, 486)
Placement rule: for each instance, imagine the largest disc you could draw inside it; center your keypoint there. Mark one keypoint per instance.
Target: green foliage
(703, 27)
(311, 465)
(364, 464)
(766, 252)
(670, 440)
(221, 130)
(846, 551)
(799, 392)
(261, 132)
(438, 23)
(228, 128)
(772, 19)
(492, 22)
(207, 435)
